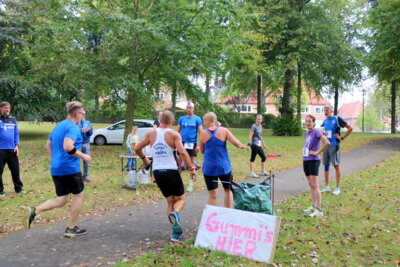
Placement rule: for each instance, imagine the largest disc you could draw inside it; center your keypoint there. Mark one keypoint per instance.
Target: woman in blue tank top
(216, 163)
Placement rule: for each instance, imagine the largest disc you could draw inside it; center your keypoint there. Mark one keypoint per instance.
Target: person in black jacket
(9, 148)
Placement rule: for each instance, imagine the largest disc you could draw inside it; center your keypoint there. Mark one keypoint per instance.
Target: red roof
(350, 110)
(312, 99)
(235, 99)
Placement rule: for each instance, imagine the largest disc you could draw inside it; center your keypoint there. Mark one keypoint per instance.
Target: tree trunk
(299, 92)
(208, 87)
(336, 104)
(173, 99)
(259, 95)
(130, 103)
(393, 107)
(287, 109)
(129, 114)
(96, 106)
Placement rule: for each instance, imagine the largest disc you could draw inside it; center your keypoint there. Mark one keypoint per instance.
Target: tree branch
(156, 56)
(120, 98)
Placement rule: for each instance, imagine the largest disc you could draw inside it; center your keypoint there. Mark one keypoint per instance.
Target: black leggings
(257, 150)
(10, 157)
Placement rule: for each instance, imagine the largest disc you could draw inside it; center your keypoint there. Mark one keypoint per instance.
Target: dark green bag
(253, 197)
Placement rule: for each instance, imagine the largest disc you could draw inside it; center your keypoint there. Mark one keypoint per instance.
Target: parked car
(114, 134)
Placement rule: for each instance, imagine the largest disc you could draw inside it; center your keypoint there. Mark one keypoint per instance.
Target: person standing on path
(9, 148)
(332, 125)
(257, 145)
(64, 146)
(216, 163)
(164, 142)
(311, 162)
(189, 126)
(87, 131)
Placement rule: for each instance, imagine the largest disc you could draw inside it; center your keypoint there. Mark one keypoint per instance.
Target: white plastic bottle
(132, 177)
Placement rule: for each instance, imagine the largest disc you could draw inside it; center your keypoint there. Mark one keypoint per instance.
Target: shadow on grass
(24, 135)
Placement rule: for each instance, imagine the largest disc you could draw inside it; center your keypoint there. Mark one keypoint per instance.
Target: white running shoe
(336, 192)
(316, 213)
(263, 173)
(309, 210)
(253, 175)
(326, 189)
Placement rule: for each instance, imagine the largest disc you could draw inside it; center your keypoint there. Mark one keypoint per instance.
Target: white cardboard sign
(248, 234)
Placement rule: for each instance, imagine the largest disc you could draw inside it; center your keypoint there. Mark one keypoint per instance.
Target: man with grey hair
(332, 125)
(9, 148)
(64, 146)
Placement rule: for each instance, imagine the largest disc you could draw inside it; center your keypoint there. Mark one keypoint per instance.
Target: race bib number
(306, 151)
(189, 145)
(328, 134)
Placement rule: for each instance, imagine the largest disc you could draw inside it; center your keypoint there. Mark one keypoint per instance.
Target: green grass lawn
(104, 192)
(360, 228)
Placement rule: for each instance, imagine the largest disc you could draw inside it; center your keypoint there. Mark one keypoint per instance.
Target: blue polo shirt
(331, 127)
(189, 128)
(9, 135)
(61, 162)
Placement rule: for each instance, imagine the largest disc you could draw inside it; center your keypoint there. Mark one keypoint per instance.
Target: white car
(114, 134)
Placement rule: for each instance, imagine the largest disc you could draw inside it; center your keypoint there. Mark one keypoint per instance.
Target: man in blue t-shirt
(190, 126)
(64, 146)
(9, 148)
(332, 125)
(87, 131)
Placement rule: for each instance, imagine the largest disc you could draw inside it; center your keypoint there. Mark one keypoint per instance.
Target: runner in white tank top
(163, 142)
(164, 157)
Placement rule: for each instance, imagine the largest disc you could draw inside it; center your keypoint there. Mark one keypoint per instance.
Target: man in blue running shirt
(64, 146)
(332, 125)
(190, 127)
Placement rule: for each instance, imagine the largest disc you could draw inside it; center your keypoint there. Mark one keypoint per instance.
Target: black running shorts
(311, 167)
(169, 182)
(212, 181)
(68, 184)
(192, 152)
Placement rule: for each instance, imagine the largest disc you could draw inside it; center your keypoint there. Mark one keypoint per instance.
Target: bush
(268, 120)
(233, 119)
(287, 126)
(240, 120)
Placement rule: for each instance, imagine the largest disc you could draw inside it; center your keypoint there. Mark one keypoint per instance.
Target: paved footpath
(129, 231)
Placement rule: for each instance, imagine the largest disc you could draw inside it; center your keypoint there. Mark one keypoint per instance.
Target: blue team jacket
(9, 135)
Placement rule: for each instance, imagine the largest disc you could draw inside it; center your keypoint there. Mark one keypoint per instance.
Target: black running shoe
(74, 232)
(28, 217)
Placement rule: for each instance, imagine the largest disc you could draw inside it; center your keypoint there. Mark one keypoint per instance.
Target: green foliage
(287, 126)
(384, 57)
(268, 120)
(372, 122)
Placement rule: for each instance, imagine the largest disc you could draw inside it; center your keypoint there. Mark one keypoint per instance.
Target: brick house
(350, 113)
(315, 106)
